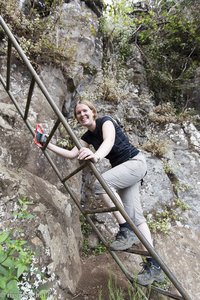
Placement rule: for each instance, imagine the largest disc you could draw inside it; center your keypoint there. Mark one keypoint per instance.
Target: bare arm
(108, 139)
(70, 154)
(105, 148)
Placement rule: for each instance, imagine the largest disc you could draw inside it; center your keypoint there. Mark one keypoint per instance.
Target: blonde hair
(89, 104)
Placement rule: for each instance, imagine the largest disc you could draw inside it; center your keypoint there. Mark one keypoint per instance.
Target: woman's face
(84, 115)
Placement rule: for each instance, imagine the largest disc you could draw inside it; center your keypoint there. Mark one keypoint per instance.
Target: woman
(124, 178)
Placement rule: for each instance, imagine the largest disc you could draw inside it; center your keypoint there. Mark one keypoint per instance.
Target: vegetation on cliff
(165, 32)
(167, 35)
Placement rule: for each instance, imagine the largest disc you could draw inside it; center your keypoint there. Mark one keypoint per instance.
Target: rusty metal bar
(137, 251)
(81, 167)
(70, 192)
(166, 293)
(9, 50)
(30, 93)
(99, 210)
(14, 101)
(51, 133)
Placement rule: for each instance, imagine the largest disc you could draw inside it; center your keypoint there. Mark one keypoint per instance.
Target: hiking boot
(125, 238)
(149, 274)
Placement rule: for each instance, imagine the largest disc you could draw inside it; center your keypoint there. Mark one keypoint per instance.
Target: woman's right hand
(85, 154)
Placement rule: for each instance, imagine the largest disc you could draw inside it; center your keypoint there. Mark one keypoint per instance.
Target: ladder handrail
(61, 118)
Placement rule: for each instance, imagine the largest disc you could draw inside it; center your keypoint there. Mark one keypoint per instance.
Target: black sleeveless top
(122, 149)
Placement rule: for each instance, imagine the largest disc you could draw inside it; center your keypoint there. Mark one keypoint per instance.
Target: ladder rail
(12, 40)
(112, 253)
(81, 167)
(147, 245)
(9, 50)
(128, 275)
(20, 111)
(40, 84)
(30, 93)
(57, 123)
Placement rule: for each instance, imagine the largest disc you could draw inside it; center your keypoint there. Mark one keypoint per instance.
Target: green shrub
(116, 27)
(170, 44)
(163, 220)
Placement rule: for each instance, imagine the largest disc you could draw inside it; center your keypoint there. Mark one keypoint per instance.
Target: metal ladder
(86, 213)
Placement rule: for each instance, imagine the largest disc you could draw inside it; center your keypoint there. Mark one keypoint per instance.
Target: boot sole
(151, 282)
(123, 247)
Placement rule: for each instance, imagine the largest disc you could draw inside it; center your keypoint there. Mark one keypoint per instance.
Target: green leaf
(3, 271)
(8, 263)
(3, 236)
(13, 290)
(3, 295)
(3, 256)
(43, 294)
(21, 269)
(3, 281)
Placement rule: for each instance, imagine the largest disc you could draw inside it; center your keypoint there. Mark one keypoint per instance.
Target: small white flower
(38, 276)
(36, 284)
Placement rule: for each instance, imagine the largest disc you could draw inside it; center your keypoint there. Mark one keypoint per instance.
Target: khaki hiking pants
(125, 179)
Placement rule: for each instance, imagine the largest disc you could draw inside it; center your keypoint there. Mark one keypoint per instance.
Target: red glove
(40, 137)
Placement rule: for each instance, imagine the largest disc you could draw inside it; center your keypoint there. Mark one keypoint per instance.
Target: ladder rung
(99, 210)
(166, 293)
(82, 166)
(30, 93)
(134, 250)
(51, 133)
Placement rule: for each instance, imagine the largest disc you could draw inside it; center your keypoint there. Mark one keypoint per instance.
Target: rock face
(53, 223)
(24, 169)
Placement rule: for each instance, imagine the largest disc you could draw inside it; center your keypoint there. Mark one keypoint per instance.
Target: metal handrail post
(30, 93)
(51, 133)
(9, 50)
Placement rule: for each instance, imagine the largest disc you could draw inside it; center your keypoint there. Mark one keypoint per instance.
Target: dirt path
(100, 272)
